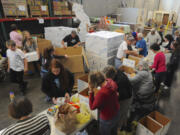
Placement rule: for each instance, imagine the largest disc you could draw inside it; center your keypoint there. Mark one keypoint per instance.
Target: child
(17, 65)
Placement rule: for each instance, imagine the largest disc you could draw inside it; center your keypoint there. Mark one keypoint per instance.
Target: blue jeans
(118, 63)
(43, 72)
(109, 127)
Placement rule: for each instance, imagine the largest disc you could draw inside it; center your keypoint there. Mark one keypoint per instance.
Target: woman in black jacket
(58, 82)
(173, 65)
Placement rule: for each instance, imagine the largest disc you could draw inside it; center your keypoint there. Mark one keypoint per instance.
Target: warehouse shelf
(34, 18)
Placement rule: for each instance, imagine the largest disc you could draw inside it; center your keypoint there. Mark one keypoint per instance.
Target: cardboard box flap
(74, 63)
(84, 78)
(70, 51)
(43, 44)
(150, 124)
(159, 118)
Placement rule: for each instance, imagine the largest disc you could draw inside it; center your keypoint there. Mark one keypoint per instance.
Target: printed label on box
(21, 8)
(129, 63)
(43, 8)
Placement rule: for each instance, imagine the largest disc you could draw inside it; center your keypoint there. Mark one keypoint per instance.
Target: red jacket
(106, 101)
(159, 63)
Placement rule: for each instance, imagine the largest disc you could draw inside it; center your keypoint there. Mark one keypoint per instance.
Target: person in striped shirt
(21, 109)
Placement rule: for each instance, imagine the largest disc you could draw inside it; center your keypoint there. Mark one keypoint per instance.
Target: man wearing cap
(141, 45)
(72, 40)
(123, 51)
(153, 37)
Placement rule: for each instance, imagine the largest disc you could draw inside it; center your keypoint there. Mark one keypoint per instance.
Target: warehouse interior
(89, 67)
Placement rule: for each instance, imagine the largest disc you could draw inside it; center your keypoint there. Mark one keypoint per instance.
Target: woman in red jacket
(106, 101)
(159, 65)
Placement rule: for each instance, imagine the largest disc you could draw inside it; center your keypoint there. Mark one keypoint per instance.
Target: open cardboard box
(75, 60)
(136, 59)
(164, 121)
(148, 126)
(82, 82)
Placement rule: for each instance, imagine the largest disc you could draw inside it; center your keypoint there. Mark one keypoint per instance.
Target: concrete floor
(33, 93)
(169, 106)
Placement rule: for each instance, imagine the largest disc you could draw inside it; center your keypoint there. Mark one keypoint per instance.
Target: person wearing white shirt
(17, 65)
(123, 51)
(153, 37)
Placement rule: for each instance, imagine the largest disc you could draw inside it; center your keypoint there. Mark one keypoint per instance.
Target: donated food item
(84, 116)
(66, 118)
(75, 99)
(52, 111)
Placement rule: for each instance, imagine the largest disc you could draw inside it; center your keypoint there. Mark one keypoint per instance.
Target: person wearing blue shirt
(141, 45)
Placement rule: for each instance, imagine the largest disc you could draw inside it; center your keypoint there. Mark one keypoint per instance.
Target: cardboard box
(74, 62)
(148, 126)
(82, 82)
(43, 44)
(44, 10)
(32, 56)
(164, 121)
(136, 59)
(127, 70)
(84, 97)
(35, 10)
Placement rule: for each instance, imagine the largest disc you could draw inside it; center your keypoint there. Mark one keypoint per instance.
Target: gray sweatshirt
(142, 83)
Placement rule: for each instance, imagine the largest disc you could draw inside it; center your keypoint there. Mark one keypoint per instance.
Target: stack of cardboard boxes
(61, 8)
(101, 48)
(14, 8)
(38, 8)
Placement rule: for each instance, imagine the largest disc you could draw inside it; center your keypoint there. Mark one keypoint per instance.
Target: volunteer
(161, 33)
(106, 101)
(48, 55)
(173, 65)
(17, 65)
(143, 92)
(58, 82)
(123, 51)
(21, 109)
(153, 37)
(141, 45)
(72, 40)
(176, 34)
(159, 65)
(30, 45)
(168, 41)
(16, 36)
(124, 90)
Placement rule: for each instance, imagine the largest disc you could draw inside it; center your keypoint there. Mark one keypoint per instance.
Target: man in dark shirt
(72, 40)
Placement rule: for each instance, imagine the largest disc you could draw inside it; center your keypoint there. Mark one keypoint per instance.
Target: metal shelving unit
(51, 20)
